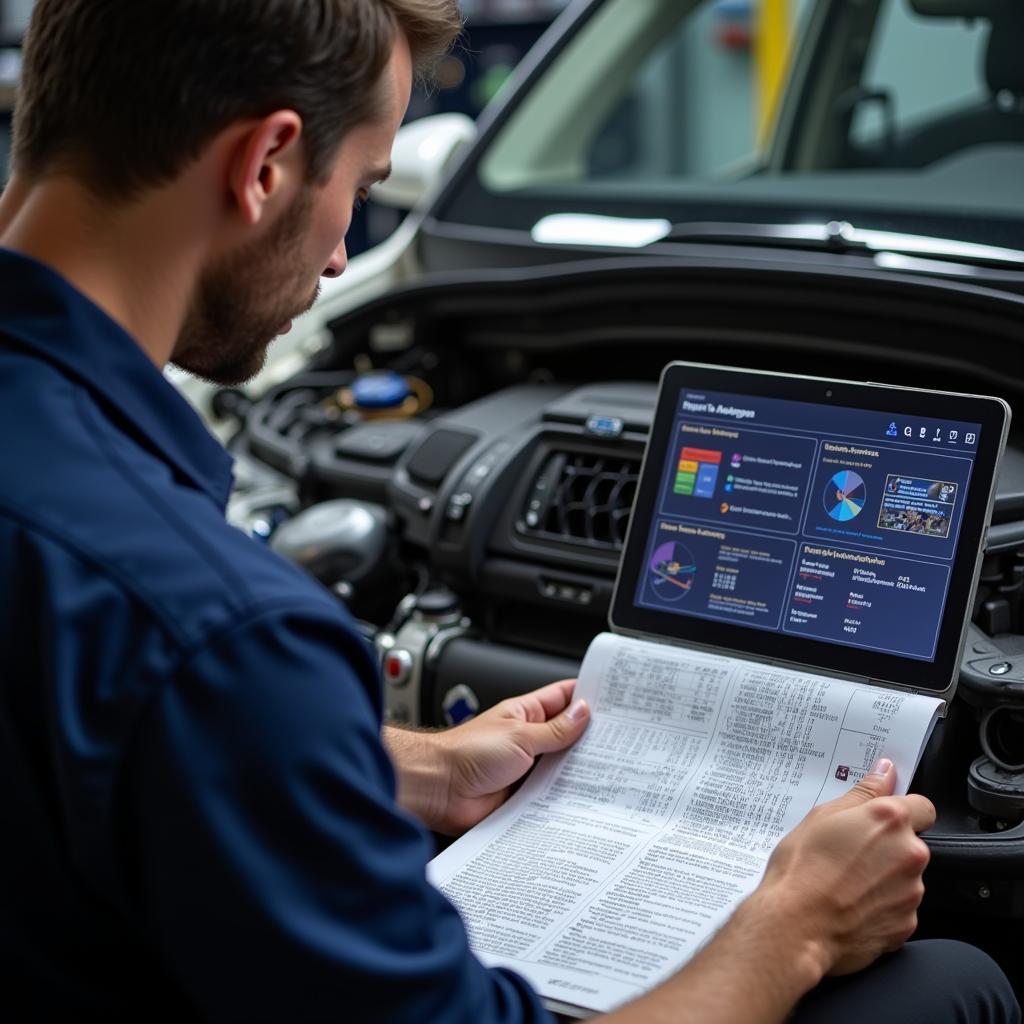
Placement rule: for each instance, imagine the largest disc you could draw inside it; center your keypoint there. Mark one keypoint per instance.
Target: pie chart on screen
(672, 569)
(845, 496)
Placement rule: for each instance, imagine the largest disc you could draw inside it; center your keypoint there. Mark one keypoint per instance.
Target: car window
(897, 115)
(688, 108)
(919, 69)
(693, 108)
(649, 90)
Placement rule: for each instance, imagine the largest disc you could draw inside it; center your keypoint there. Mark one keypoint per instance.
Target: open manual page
(618, 859)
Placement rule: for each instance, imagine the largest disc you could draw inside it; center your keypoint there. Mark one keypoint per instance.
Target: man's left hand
(454, 779)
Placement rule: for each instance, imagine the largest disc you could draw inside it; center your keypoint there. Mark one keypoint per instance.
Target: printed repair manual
(619, 858)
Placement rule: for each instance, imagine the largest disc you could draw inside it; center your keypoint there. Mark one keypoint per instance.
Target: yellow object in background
(772, 39)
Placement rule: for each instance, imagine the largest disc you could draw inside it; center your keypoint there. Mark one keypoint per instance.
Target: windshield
(896, 115)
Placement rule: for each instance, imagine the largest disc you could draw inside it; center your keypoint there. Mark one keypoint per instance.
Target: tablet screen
(824, 523)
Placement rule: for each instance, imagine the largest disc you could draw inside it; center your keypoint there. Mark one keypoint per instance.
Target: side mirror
(419, 157)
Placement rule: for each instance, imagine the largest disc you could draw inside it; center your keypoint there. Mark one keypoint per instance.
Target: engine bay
(459, 467)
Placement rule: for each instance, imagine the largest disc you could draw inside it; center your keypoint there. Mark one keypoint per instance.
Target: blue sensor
(383, 389)
(604, 426)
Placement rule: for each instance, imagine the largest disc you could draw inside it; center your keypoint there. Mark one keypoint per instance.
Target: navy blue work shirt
(197, 816)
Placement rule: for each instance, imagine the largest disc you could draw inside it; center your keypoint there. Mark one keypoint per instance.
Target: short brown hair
(125, 93)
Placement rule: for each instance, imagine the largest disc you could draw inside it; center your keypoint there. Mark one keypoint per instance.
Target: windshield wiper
(843, 237)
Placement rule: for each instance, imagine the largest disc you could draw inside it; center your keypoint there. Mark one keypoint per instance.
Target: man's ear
(265, 162)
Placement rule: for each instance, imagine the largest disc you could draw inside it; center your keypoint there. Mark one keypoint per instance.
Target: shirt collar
(41, 311)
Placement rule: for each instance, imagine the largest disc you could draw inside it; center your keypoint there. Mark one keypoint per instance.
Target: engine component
(383, 394)
(996, 792)
(435, 618)
(346, 544)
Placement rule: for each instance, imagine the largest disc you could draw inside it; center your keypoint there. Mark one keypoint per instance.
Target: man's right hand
(847, 880)
(842, 888)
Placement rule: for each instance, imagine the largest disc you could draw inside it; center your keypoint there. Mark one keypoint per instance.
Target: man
(201, 817)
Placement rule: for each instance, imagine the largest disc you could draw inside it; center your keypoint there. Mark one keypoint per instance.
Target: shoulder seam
(235, 579)
(252, 613)
(188, 646)
(131, 587)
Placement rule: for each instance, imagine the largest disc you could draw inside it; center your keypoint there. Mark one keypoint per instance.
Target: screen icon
(938, 434)
(924, 431)
(954, 434)
(969, 439)
(908, 431)
(891, 432)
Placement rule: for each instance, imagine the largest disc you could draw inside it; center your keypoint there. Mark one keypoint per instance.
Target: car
(451, 438)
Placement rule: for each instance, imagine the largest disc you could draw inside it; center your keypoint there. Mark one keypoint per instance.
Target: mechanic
(203, 818)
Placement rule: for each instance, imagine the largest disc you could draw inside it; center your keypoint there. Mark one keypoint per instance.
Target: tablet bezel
(937, 677)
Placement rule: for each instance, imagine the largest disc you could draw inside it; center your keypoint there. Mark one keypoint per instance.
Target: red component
(735, 36)
(397, 666)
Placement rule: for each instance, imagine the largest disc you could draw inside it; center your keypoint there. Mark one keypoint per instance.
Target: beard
(241, 302)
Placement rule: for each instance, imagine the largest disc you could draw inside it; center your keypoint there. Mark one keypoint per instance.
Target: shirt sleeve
(275, 875)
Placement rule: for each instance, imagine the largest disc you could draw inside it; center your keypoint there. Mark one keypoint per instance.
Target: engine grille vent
(583, 498)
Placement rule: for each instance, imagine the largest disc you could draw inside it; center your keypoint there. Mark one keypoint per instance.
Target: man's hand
(848, 878)
(840, 889)
(453, 779)
(495, 750)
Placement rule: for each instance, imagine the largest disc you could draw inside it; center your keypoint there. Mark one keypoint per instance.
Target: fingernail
(881, 767)
(577, 710)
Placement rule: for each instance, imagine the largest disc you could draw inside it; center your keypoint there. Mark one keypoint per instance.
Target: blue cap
(382, 389)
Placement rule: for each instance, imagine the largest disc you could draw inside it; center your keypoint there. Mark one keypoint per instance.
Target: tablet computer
(825, 524)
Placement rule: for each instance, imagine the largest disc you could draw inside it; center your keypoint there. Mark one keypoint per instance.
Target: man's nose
(338, 261)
